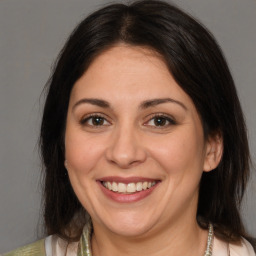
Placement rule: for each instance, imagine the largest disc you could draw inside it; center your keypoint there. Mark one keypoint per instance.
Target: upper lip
(126, 180)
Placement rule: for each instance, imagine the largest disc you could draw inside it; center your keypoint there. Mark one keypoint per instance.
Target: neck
(180, 238)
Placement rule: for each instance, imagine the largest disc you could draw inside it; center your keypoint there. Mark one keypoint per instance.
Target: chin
(129, 226)
(133, 230)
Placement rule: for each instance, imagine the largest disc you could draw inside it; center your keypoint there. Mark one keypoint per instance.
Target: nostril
(126, 158)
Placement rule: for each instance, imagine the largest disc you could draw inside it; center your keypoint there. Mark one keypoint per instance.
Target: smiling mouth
(129, 188)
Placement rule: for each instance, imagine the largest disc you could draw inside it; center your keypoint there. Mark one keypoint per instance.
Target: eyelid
(169, 118)
(86, 117)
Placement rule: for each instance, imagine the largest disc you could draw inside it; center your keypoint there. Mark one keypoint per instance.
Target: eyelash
(165, 118)
(85, 120)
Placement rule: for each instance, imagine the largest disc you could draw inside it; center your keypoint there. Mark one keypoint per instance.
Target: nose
(126, 149)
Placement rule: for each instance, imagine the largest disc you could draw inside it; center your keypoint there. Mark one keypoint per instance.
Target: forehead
(126, 59)
(130, 70)
(125, 77)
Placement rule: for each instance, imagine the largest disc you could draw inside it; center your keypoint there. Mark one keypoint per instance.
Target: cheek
(82, 155)
(180, 153)
(82, 152)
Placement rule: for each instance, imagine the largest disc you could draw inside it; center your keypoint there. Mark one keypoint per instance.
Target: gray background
(31, 35)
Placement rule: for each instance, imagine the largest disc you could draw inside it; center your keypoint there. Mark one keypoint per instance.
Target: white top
(56, 246)
(221, 248)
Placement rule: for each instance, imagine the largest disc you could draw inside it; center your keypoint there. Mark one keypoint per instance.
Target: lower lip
(127, 198)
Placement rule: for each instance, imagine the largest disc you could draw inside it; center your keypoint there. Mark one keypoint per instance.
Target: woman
(143, 140)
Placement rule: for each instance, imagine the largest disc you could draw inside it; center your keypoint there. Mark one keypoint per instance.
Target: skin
(128, 143)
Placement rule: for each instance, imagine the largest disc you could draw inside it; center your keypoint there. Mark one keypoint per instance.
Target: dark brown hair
(198, 66)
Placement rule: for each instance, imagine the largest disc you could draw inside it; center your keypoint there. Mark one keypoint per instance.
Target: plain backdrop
(31, 34)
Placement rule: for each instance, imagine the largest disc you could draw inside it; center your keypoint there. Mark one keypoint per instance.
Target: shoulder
(244, 249)
(51, 245)
(54, 245)
(34, 249)
(221, 248)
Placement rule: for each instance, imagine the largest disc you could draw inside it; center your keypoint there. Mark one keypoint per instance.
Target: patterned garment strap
(84, 247)
(35, 249)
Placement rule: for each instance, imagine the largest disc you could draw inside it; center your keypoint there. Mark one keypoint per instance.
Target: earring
(66, 169)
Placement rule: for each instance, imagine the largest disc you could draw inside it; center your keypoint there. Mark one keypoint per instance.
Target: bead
(208, 251)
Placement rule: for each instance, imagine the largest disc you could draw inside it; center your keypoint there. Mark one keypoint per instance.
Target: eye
(160, 121)
(94, 121)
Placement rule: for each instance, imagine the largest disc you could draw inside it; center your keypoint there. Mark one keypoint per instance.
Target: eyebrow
(155, 102)
(96, 102)
(143, 105)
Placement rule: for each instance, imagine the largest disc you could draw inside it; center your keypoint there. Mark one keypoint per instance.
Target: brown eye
(94, 120)
(97, 120)
(160, 121)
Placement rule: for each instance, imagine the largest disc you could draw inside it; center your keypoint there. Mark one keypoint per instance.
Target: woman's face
(135, 148)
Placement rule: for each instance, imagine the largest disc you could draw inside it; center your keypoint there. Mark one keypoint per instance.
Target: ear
(214, 151)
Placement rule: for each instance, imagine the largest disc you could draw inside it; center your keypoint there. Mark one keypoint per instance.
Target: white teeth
(121, 187)
(128, 188)
(114, 187)
(109, 185)
(139, 186)
(144, 185)
(131, 188)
